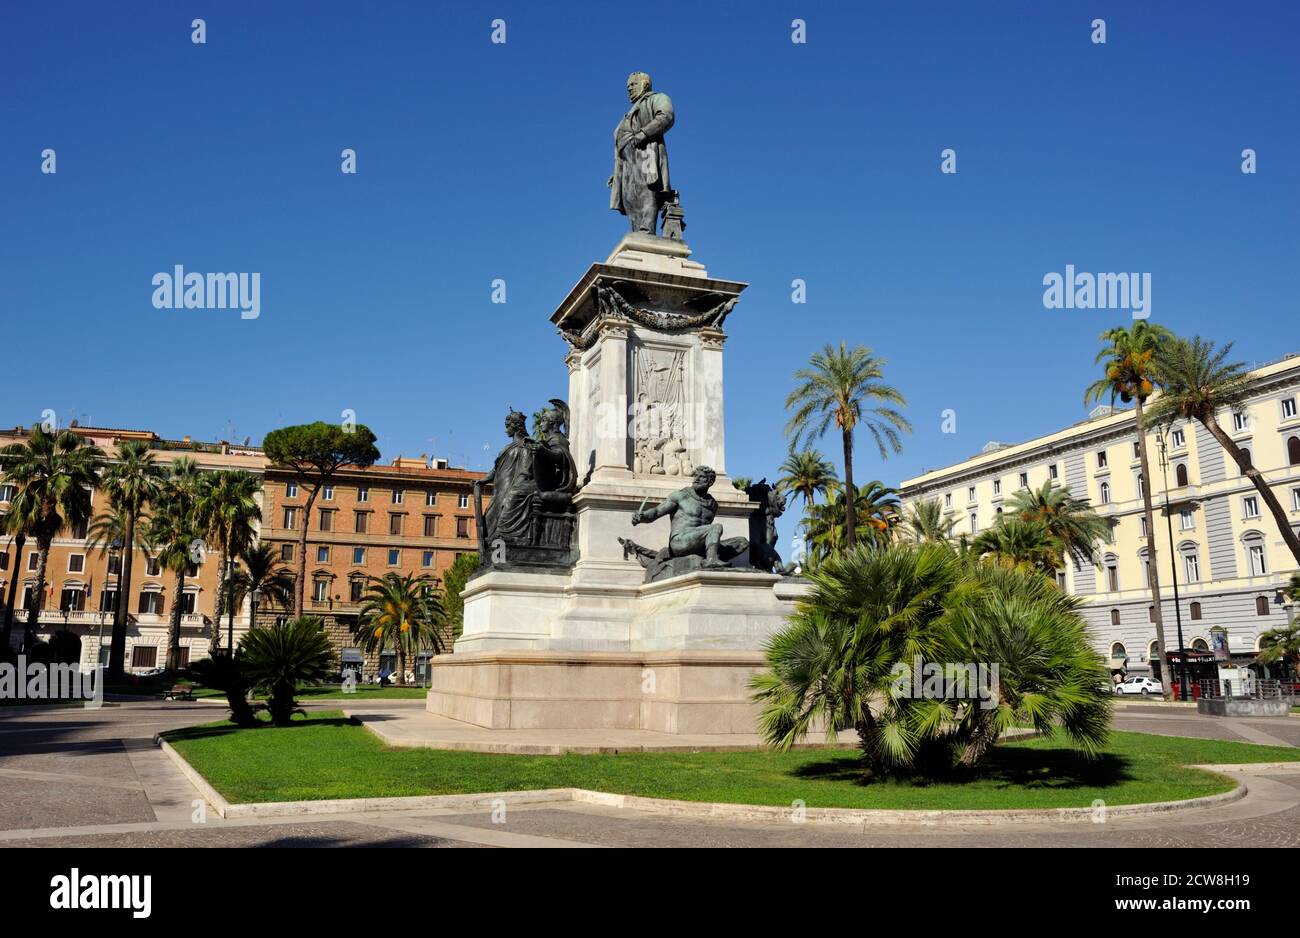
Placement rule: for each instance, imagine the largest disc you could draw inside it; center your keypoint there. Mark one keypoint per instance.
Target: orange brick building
(408, 516)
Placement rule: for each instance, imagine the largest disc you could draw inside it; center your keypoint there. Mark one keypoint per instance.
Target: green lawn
(326, 756)
(362, 692)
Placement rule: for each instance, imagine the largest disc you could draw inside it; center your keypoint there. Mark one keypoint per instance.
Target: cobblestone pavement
(91, 778)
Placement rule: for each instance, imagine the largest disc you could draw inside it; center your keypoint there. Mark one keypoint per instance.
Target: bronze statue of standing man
(639, 186)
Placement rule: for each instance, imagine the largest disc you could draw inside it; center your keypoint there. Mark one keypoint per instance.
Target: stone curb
(864, 817)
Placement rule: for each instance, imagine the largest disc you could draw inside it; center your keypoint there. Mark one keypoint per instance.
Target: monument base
(675, 656)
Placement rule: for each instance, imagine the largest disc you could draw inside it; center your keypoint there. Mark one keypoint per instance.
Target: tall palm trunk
(401, 662)
(8, 630)
(301, 585)
(230, 600)
(174, 633)
(1261, 485)
(1153, 565)
(121, 608)
(850, 494)
(38, 601)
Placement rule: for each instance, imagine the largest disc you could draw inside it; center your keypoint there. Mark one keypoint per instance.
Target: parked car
(1140, 685)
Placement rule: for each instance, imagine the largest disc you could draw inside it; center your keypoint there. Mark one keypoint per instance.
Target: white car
(1140, 685)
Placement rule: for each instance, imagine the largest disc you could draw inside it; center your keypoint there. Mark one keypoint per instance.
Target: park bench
(179, 692)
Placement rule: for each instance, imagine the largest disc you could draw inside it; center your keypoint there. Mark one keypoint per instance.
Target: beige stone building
(1228, 557)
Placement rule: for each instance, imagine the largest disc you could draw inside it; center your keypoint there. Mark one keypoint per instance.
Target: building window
(327, 519)
(1024, 480)
(114, 564)
(290, 518)
(72, 598)
(322, 554)
(427, 559)
(355, 589)
(358, 555)
(286, 553)
(1101, 459)
(1180, 439)
(970, 494)
(1196, 613)
(997, 486)
(1261, 605)
(144, 656)
(1117, 650)
(150, 604)
(320, 590)
(1180, 475)
(1257, 565)
(1142, 525)
(1104, 490)
(395, 525)
(1060, 580)
(7, 492)
(1112, 576)
(76, 563)
(947, 500)
(1288, 408)
(1191, 568)
(4, 561)
(291, 490)
(327, 492)
(1295, 499)
(187, 602)
(1240, 420)
(78, 531)
(430, 497)
(1186, 520)
(394, 556)
(1114, 617)
(974, 522)
(361, 520)
(33, 558)
(363, 493)
(1293, 450)
(107, 600)
(463, 500)
(1250, 506)
(1052, 472)
(462, 527)
(430, 525)
(397, 496)
(152, 567)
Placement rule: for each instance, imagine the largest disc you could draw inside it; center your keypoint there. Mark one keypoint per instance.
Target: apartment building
(410, 516)
(1228, 557)
(83, 578)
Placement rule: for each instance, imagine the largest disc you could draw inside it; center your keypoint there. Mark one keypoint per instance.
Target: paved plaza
(79, 777)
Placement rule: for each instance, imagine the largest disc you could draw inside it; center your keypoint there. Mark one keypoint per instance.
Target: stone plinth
(1244, 707)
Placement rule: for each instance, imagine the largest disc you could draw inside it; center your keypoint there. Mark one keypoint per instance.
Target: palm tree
(844, 388)
(833, 666)
(1281, 644)
(400, 610)
(56, 472)
(1049, 675)
(1196, 384)
(925, 523)
(108, 534)
(132, 480)
(1130, 358)
(178, 539)
(1069, 520)
(19, 523)
(227, 510)
(806, 472)
(1016, 544)
(263, 572)
(741, 482)
(279, 659)
(878, 508)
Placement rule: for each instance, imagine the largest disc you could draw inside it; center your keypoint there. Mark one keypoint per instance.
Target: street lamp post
(252, 622)
(1173, 566)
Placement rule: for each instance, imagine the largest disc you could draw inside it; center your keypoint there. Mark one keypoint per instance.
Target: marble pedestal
(596, 646)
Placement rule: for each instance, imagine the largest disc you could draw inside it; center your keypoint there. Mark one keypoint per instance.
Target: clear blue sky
(478, 161)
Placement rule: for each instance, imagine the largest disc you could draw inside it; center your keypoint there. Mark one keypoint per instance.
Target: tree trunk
(230, 603)
(174, 633)
(1261, 485)
(850, 495)
(401, 663)
(38, 599)
(301, 585)
(1166, 681)
(122, 608)
(8, 630)
(981, 740)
